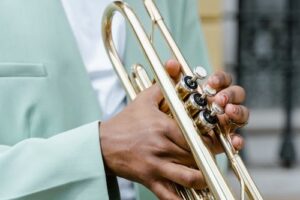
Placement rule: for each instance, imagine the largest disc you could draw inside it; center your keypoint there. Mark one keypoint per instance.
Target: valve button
(209, 91)
(186, 86)
(200, 73)
(202, 102)
(205, 122)
(195, 103)
(216, 109)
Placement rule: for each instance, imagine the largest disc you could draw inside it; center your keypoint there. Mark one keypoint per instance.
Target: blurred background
(259, 43)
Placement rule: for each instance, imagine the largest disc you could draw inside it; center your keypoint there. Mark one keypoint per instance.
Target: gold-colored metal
(218, 188)
(192, 106)
(140, 78)
(183, 90)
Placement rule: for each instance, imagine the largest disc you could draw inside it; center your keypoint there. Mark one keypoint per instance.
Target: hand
(230, 97)
(145, 145)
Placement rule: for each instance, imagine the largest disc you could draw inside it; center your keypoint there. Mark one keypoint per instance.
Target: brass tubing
(158, 20)
(239, 167)
(203, 157)
(218, 188)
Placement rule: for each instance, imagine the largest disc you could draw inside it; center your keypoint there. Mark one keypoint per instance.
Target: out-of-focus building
(259, 43)
(211, 14)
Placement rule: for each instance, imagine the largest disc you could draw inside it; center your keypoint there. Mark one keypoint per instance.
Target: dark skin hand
(145, 145)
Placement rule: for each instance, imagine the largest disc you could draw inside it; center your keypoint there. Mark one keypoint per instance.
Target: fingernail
(239, 144)
(224, 99)
(236, 110)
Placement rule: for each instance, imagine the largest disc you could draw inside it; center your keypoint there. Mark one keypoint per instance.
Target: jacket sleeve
(36, 165)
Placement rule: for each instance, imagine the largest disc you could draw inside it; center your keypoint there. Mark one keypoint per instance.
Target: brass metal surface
(218, 188)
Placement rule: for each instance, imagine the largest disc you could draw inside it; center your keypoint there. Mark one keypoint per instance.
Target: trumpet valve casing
(186, 86)
(206, 122)
(195, 103)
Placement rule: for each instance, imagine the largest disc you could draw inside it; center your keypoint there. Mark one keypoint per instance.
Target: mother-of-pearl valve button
(209, 91)
(199, 73)
(207, 119)
(195, 103)
(189, 84)
(216, 109)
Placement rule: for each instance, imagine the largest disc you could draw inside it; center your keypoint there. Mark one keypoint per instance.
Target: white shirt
(85, 18)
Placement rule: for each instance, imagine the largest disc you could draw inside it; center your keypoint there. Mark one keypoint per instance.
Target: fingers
(173, 68)
(182, 175)
(173, 132)
(239, 114)
(164, 190)
(178, 155)
(235, 114)
(212, 142)
(219, 80)
(152, 95)
(233, 94)
(237, 141)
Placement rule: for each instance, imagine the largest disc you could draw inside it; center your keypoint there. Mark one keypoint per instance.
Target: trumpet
(186, 101)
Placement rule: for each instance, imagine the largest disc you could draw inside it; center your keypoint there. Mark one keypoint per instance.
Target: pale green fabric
(65, 166)
(46, 94)
(182, 20)
(45, 91)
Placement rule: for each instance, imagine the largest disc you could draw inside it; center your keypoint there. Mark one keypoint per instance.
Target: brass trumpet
(186, 101)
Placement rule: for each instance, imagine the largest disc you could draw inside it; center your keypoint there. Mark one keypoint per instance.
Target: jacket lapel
(40, 33)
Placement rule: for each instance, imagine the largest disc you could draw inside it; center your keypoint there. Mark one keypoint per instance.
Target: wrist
(102, 133)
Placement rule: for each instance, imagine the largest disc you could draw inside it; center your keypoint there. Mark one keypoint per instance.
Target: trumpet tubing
(185, 101)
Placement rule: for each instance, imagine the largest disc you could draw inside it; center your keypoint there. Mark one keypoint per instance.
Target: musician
(53, 145)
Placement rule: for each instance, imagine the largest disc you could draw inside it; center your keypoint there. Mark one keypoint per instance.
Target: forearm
(42, 164)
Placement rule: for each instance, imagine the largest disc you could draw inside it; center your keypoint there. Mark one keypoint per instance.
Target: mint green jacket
(49, 137)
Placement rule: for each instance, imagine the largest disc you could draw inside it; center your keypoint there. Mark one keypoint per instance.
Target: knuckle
(220, 76)
(191, 179)
(238, 115)
(243, 113)
(167, 196)
(223, 97)
(241, 91)
(171, 126)
(229, 78)
(156, 187)
(238, 111)
(220, 79)
(225, 77)
(152, 185)
(156, 125)
(161, 150)
(165, 125)
(160, 146)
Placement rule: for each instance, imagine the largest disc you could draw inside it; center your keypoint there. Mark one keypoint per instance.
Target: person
(52, 143)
